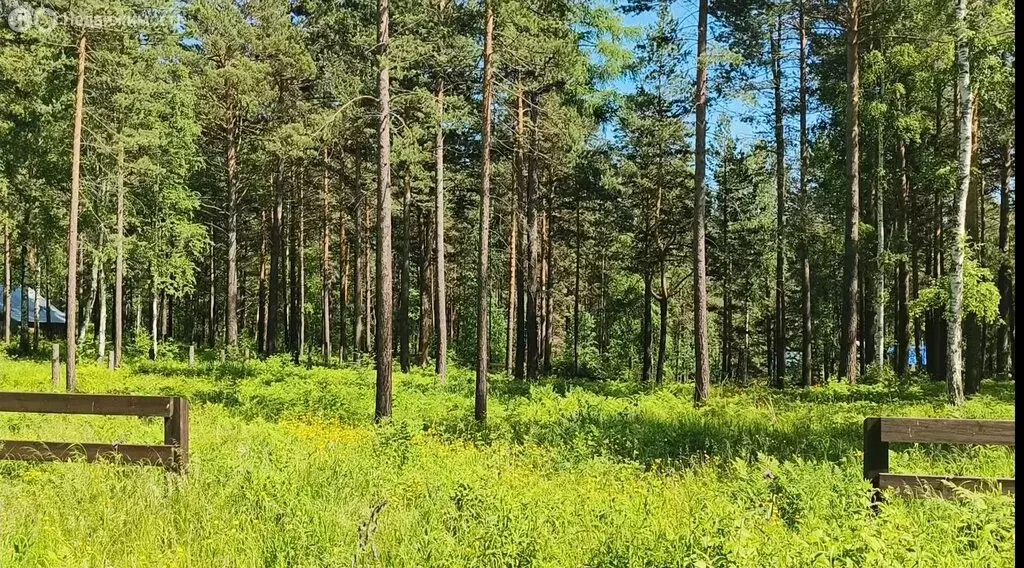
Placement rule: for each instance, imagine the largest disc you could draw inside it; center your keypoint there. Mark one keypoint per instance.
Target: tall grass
(287, 470)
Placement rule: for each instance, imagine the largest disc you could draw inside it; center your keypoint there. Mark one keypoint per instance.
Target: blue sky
(685, 12)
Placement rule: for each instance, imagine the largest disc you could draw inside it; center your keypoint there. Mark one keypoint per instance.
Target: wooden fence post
(192, 356)
(55, 366)
(223, 356)
(110, 362)
(876, 452)
(176, 434)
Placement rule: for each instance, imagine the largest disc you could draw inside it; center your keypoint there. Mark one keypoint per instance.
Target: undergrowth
(288, 470)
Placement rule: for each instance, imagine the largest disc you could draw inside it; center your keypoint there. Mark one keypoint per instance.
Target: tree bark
(404, 325)
(262, 307)
(83, 330)
(514, 347)
(325, 270)
(483, 276)
(646, 326)
(974, 334)
(426, 290)
(879, 291)
(958, 215)
(1005, 280)
(343, 299)
(780, 212)
(549, 291)
(76, 182)
(806, 363)
(702, 376)
(8, 309)
(727, 283)
(23, 339)
(576, 299)
(662, 328)
(154, 338)
(441, 306)
(359, 281)
(276, 260)
(383, 327)
(848, 359)
(902, 331)
(119, 265)
(231, 305)
(101, 331)
(300, 259)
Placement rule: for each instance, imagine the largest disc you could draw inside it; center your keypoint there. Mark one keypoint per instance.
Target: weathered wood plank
(99, 404)
(948, 431)
(876, 451)
(18, 450)
(924, 485)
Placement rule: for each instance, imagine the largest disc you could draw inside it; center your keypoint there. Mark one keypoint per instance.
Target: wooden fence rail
(171, 455)
(880, 432)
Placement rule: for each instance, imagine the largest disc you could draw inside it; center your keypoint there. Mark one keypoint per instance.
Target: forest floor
(287, 469)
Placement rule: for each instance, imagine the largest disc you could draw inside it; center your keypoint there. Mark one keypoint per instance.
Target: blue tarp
(47, 313)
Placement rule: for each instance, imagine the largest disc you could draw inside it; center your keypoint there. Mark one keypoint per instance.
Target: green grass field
(288, 470)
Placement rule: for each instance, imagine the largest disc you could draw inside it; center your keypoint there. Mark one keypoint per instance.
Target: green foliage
(288, 470)
(981, 296)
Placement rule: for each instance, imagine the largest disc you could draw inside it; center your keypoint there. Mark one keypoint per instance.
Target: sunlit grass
(288, 470)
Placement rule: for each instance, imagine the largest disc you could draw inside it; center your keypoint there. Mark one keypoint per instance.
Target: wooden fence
(880, 432)
(171, 455)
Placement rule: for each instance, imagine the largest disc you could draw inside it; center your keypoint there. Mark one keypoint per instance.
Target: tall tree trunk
(83, 330)
(404, 329)
(37, 266)
(879, 291)
(576, 299)
(262, 307)
(101, 341)
(483, 276)
(549, 291)
(806, 363)
(780, 211)
(343, 299)
(8, 309)
(76, 182)
(211, 321)
(154, 338)
(119, 264)
(662, 327)
(426, 290)
(441, 305)
(383, 328)
(702, 377)
(514, 347)
(533, 268)
(848, 359)
(1005, 281)
(23, 328)
(359, 280)
(328, 276)
(936, 325)
(974, 334)
(902, 331)
(293, 272)
(727, 284)
(231, 305)
(646, 325)
(958, 217)
(300, 260)
(276, 260)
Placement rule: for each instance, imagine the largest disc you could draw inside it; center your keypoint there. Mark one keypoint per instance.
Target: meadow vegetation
(287, 469)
